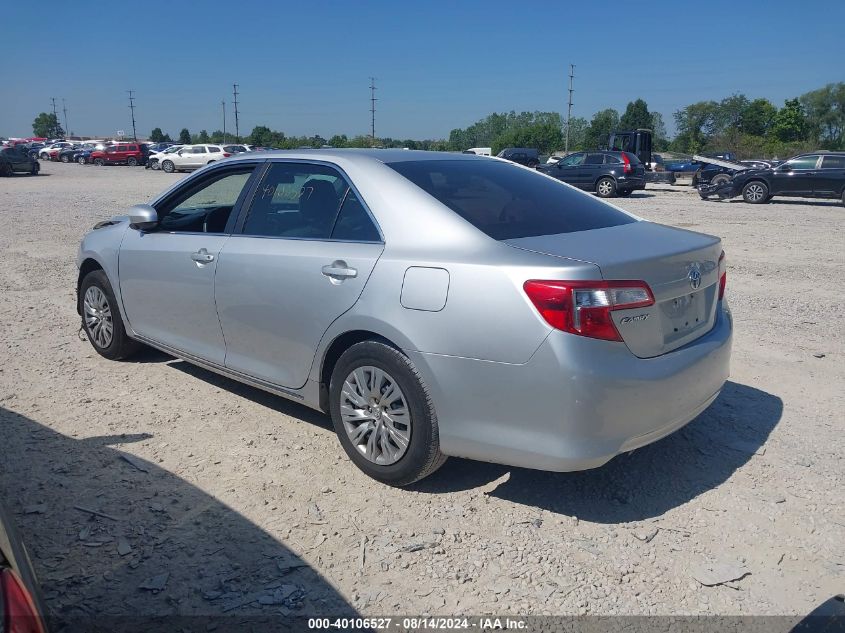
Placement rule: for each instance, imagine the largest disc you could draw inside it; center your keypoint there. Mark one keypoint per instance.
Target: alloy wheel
(754, 192)
(98, 317)
(375, 415)
(604, 188)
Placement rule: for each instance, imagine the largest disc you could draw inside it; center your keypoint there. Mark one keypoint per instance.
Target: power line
(569, 110)
(55, 129)
(64, 109)
(132, 108)
(373, 109)
(237, 128)
(223, 105)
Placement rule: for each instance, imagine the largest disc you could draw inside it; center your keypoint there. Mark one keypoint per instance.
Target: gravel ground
(218, 498)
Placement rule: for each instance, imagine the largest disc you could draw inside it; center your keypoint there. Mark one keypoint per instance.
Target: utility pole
(132, 108)
(569, 110)
(55, 117)
(373, 110)
(223, 105)
(237, 128)
(64, 109)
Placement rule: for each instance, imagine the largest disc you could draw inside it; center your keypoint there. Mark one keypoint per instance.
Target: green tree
(47, 125)
(203, 137)
(157, 136)
(338, 140)
(544, 136)
(217, 137)
(790, 122)
(660, 137)
(825, 110)
(636, 116)
(696, 124)
(758, 117)
(601, 125)
(185, 136)
(577, 133)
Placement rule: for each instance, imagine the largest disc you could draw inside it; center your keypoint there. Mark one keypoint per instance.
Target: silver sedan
(433, 304)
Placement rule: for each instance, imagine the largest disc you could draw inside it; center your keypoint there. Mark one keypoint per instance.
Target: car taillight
(19, 612)
(723, 275)
(626, 163)
(225, 155)
(584, 307)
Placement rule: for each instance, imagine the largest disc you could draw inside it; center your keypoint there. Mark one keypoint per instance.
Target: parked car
(30, 148)
(709, 173)
(84, 155)
(190, 157)
(120, 154)
(607, 173)
(21, 606)
(68, 154)
(522, 155)
(51, 152)
(235, 149)
(550, 330)
(15, 158)
(479, 151)
(154, 159)
(815, 175)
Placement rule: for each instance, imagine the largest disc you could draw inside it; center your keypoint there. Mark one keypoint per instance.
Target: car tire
(720, 179)
(168, 166)
(81, 160)
(154, 165)
(755, 192)
(606, 187)
(101, 318)
(36, 168)
(99, 162)
(132, 161)
(388, 461)
(5, 169)
(843, 197)
(211, 161)
(65, 158)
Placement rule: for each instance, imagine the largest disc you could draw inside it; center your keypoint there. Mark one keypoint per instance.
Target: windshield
(507, 201)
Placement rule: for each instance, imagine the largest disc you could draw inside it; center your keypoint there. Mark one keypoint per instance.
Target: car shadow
(645, 483)
(120, 543)
(802, 202)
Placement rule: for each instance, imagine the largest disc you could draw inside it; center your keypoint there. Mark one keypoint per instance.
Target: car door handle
(202, 256)
(339, 270)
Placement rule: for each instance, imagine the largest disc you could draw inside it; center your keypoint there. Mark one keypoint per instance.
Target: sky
(304, 67)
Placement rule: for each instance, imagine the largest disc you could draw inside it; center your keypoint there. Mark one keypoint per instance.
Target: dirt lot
(221, 498)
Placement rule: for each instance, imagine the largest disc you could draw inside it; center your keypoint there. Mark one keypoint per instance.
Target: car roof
(363, 155)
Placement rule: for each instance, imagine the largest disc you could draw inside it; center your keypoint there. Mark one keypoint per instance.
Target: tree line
(752, 128)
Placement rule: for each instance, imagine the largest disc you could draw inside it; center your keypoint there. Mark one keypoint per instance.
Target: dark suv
(607, 173)
(817, 175)
(521, 155)
(15, 158)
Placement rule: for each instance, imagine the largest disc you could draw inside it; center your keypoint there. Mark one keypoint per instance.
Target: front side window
(508, 202)
(573, 160)
(132, 148)
(803, 162)
(204, 207)
(296, 200)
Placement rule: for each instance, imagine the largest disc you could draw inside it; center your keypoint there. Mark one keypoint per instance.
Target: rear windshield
(507, 201)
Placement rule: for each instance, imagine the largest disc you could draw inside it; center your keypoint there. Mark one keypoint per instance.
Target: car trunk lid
(681, 268)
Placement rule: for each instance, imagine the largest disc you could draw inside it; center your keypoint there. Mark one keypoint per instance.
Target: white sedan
(154, 159)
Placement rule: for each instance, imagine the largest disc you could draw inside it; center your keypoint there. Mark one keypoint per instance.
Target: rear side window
(353, 222)
(594, 159)
(612, 159)
(508, 202)
(214, 150)
(833, 162)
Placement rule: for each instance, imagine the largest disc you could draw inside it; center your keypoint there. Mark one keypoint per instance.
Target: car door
(591, 169)
(795, 177)
(569, 169)
(309, 245)
(831, 177)
(166, 275)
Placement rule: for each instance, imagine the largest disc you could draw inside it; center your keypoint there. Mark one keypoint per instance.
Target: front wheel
(383, 414)
(81, 160)
(101, 318)
(44, 156)
(755, 192)
(5, 169)
(168, 166)
(132, 161)
(99, 162)
(606, 187)
(65, 158)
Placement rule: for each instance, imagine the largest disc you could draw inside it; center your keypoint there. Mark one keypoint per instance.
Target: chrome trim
(225, 371)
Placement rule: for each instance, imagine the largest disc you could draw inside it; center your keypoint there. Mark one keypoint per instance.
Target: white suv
(192, 157)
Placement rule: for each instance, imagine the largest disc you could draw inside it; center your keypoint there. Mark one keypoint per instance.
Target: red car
(121, 154)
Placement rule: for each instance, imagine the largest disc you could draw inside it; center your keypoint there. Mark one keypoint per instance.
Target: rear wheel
(606, 187)
(132, 161)
(5, 169)
(101, 318)
(35, 168)
(168, 166)
(44, 156)
(755, 192)
(209, 162)
(65, 158)
(383, 414)
(81, 160)
(99, 162)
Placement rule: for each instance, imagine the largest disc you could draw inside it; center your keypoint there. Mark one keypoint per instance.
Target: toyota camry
(433, 304)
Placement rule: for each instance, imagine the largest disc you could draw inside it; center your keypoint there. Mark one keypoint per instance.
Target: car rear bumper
(630, 183)
(576, 403)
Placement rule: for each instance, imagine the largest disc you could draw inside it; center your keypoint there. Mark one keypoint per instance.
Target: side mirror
(179, 153)
(142, 217)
